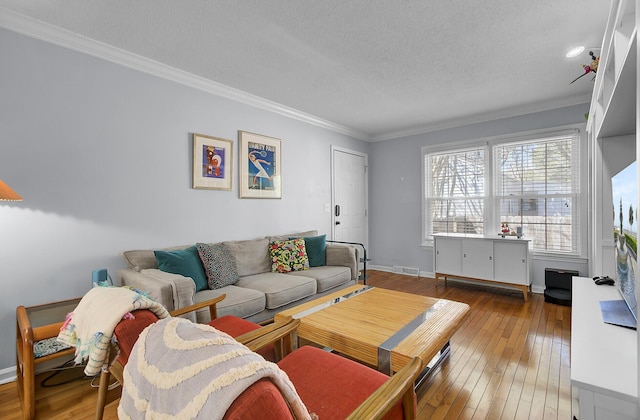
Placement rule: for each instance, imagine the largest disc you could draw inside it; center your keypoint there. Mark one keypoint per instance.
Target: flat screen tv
(624, 186)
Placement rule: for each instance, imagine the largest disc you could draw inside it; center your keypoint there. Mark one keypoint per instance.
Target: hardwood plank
(509, 359)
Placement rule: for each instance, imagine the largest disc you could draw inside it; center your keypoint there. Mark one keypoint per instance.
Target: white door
(349, 198)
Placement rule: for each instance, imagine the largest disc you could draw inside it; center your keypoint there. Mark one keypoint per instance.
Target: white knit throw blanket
(181, 370)
(89, 328)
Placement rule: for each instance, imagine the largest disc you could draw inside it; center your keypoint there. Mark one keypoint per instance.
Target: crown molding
(489, 116)
(33, 28)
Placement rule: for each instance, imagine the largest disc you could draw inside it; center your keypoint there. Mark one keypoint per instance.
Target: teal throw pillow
(219, 265)
(316, 250)
(185, 262)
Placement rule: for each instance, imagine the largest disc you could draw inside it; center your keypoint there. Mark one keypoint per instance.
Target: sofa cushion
(241, 302)
(279, 289)
(252, 257)
(327, 277)
(185, 262)
(316, 247)
(290, 255)
(140, 259)
(293, 235)
(219, 264)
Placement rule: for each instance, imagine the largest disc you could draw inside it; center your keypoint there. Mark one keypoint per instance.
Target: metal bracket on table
(362, 260)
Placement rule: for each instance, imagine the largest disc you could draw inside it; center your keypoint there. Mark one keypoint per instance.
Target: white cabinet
(504, 261)
(477, 259)
(448, 255)
(511, 262)
(603, 357)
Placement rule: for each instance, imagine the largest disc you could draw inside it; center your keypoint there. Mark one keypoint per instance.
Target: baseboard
(7, 375)
(388, 269)
(534, 288)
(537, 289)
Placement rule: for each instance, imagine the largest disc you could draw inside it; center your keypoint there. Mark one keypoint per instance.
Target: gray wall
(102, 156)
(395, 218)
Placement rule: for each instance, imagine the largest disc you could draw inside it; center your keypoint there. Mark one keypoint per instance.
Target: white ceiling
(375, 69)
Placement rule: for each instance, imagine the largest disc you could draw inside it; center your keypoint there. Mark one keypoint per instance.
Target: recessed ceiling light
(575, 51)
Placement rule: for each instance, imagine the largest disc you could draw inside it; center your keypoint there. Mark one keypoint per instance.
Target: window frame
(428, 198)
(491, 213)
(548, 197)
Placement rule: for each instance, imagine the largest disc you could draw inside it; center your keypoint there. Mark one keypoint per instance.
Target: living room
(101, 154)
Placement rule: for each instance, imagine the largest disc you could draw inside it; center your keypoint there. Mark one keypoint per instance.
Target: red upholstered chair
(128, 330)
(331, 386)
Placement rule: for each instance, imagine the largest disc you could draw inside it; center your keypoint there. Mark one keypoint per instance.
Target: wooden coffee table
(380, 327)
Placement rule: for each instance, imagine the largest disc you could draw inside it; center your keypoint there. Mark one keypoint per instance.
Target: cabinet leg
(444, 277)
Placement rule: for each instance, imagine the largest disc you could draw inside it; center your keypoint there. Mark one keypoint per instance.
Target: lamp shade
(7, 194)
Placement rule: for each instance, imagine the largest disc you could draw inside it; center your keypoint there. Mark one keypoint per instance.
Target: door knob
(337, 223)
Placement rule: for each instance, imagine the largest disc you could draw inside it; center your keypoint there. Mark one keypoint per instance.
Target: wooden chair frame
(284, 335)
(26, 336)
(116, 368)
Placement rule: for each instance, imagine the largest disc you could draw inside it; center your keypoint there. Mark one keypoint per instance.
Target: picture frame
(260, 163)
(212, 163)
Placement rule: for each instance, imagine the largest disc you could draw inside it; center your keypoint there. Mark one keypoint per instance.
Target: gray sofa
(259, 293)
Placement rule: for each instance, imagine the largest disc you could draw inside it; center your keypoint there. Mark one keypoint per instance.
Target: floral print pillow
(288, 256)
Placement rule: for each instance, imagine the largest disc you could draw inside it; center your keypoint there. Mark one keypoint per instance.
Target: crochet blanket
(89, 328)
(178, 369)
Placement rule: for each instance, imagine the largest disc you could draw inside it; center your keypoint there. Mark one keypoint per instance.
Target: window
(532, 184)
(455, 191)
(536, 187)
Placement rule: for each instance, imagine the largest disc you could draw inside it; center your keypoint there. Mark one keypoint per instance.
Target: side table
(35, 323)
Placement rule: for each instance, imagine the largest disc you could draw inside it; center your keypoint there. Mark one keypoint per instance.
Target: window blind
(536, 186)
(455, 196)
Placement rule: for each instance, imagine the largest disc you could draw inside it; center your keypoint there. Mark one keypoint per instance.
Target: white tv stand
(604, 361)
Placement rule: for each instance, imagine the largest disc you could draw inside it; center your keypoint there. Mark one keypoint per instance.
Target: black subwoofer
(558, 285)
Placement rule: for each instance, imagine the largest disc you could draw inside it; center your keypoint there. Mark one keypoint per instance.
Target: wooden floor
(509, 360)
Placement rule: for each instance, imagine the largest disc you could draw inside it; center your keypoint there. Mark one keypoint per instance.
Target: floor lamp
(7, 194)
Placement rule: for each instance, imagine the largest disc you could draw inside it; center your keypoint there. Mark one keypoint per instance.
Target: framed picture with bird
(260, 166)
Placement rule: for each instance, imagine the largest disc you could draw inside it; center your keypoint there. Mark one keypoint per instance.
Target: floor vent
(410, 271)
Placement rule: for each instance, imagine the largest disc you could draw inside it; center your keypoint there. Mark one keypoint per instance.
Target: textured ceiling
(379, 68)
